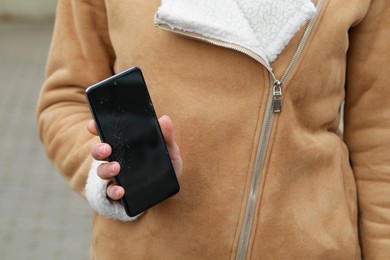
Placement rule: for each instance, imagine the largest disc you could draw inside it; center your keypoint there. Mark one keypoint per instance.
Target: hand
(108, 170)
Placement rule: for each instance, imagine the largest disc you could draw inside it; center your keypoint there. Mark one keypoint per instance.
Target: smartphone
(126, 120)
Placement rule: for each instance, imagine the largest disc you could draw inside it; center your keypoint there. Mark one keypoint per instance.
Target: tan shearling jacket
(255, 90)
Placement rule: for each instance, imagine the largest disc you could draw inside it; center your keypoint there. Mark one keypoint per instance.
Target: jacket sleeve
(80, 55)
(367, 126)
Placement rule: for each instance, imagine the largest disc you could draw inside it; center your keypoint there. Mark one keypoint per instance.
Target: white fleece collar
(264, 27)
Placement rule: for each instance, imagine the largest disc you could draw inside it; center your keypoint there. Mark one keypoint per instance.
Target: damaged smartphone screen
(126, 120)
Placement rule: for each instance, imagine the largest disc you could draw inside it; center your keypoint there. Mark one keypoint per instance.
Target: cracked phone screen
(126, 120)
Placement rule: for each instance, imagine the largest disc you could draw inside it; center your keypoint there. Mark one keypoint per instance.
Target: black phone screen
(126, 120)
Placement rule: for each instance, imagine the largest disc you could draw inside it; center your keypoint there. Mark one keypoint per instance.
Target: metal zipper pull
(277, 100)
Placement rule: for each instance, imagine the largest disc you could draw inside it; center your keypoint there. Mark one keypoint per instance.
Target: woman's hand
(108, 170)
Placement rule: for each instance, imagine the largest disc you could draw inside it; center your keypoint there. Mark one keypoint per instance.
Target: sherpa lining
(262, 26)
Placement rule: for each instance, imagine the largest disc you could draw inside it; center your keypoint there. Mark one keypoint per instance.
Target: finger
(108, 170)
(101, 151)
(115, 192)
(167, 130)
(173, 149)
(91, 126)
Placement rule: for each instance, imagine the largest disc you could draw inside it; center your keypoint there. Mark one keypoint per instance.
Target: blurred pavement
(40, 217)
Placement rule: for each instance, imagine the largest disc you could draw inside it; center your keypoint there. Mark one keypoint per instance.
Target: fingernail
(113, 167)
(117, 193)
(102, 149)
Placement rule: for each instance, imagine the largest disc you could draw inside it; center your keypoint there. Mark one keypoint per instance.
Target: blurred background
(40, 217)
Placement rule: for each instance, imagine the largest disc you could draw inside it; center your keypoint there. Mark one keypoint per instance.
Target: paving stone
(40, 216)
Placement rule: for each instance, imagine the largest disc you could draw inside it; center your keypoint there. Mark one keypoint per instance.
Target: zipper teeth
(264, 140)
(260, 158)
(220, 44)
(302, 42)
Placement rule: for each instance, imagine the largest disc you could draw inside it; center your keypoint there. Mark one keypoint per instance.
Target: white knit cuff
(95, 192)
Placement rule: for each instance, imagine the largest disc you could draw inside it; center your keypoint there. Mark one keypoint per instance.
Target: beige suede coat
(257, 184)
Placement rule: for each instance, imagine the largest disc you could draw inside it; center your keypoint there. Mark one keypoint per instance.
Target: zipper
(274, 106)
(256, 176)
